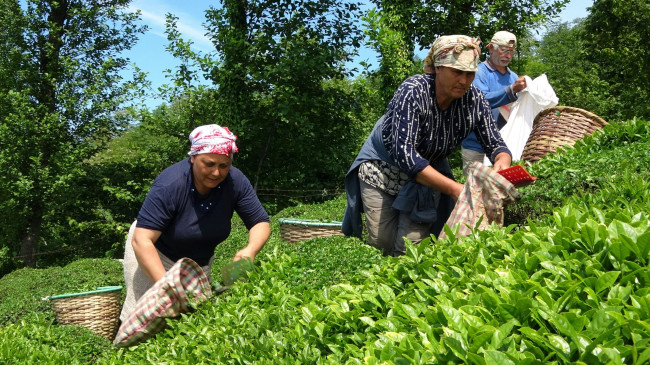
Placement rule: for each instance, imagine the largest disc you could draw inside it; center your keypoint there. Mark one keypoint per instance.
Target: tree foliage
(279, 74)
(400, 26)
(561, 55)
(599, 63)
(390, 33)
(278, 78)
(60, 90)
(614, 37)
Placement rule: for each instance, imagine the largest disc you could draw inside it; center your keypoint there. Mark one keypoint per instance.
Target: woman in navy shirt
(188, 211)
(401, 178)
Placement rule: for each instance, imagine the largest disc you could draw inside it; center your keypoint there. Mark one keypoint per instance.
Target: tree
(562, 56)
(60, 90)
(614, 41)
(390, 32)
(406, 24)
(600, 63)
(280, 85)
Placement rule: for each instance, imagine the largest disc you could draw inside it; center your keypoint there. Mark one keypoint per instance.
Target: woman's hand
(435, 180)
(244, 253)
(257, 236)
(502, 161)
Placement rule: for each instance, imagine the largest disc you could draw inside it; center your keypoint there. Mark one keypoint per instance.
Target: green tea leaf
(481, 337)
(643, 243)
(455, 343)
(406, 310)
(644, 357)
(367, 320)
(493, 357)
(560, 344)
(454, 318)
(606, 280)
(386, 293)
(500, 335)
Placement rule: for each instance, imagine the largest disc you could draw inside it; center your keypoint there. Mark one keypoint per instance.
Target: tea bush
(568, 285)
(591, 164)
(22, 291)
(40, 341)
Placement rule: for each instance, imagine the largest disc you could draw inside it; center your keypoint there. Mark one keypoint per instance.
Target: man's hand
(519, 84)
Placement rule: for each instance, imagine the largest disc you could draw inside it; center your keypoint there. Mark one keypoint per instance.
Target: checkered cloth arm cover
(183, 286)
(485, 194)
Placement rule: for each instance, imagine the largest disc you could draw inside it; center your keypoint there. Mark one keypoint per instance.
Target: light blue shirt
(497, 88)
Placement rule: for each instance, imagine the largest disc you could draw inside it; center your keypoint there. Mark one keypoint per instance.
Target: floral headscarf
(457, 51)
(212, 138)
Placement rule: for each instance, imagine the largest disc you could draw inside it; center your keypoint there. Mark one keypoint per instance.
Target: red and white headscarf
(212, 138)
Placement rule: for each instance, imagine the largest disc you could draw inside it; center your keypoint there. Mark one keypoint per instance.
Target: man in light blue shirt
(500, 86)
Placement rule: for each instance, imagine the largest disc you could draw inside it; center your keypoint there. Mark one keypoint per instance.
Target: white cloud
(153, 14)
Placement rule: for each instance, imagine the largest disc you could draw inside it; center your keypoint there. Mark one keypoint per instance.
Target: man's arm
(498, 96)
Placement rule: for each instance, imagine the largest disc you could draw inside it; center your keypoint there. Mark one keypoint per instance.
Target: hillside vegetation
(566, 281)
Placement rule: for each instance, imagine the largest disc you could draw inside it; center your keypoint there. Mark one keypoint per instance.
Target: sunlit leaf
(606, 280)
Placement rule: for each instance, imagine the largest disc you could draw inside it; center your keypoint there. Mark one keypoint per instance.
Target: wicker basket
(97, 310)
(294, 230)
(557, 127)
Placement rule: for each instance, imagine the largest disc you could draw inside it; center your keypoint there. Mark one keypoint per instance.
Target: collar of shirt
(491, 67)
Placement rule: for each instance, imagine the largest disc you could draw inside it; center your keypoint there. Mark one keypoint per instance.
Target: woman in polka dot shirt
(401, 179)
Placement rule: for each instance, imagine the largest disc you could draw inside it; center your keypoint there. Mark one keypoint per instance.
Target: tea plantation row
(566, 282)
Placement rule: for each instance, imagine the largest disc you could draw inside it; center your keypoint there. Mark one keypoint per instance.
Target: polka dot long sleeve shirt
(417, 132)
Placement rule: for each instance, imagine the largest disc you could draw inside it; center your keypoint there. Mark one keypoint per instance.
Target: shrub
(41, 342)
(22, 291)
(7, 262)
(570, 286)
(590, 165)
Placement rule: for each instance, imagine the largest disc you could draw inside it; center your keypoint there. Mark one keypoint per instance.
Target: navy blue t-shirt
(192, 224)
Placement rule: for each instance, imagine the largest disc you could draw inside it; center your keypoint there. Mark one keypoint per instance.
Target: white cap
(504, 38)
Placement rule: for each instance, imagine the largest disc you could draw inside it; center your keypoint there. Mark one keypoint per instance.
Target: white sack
(537, 96)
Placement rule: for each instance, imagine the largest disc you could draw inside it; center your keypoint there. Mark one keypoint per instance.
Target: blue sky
(149, 53)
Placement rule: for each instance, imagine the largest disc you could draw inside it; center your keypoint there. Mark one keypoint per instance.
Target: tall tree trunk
(262, 156)
(29, 239)
(50, 45)
(236, 59)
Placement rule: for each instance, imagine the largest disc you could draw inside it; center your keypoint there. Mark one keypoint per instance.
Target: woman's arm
(257, 237)
(146, 253)
(432, 178)
(410, 102)
(502, 161)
